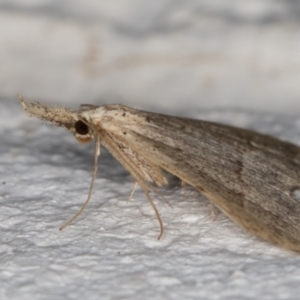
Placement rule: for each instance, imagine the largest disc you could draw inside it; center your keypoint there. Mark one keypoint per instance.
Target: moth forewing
(149, 171)
(249, 176)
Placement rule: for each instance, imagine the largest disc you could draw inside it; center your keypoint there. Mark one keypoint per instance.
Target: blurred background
(171, 54)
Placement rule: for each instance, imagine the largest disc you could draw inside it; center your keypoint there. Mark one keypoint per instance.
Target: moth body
(249, 176)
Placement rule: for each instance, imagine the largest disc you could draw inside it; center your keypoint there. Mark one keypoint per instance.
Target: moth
(251, 177)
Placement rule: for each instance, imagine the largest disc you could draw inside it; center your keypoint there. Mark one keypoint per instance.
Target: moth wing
(141, 168)
(250, 176)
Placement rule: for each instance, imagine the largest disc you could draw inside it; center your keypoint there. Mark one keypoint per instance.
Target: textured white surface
(112, 251)
(170, 55)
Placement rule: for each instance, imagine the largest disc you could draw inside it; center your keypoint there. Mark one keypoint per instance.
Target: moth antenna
(96, 155)
(132, 192)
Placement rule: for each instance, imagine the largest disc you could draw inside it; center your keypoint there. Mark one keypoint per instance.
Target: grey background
(168, 54)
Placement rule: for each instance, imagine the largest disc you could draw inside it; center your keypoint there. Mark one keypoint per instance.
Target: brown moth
(251, 177)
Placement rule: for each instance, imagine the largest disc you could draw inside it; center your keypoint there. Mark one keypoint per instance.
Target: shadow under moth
(251, 177)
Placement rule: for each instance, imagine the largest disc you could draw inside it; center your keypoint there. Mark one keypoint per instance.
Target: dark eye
(81, 128)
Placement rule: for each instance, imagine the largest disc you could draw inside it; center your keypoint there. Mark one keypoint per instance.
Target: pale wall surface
(162, 53)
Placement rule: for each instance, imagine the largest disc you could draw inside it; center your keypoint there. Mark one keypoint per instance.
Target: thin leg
(132, 192)
(96, 155)
(213, 211)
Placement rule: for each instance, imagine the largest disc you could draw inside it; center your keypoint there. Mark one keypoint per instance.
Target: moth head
(62, 117)
(82, 132)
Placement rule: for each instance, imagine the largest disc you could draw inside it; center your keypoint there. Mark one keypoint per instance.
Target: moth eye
(82, 132)
(81, 128)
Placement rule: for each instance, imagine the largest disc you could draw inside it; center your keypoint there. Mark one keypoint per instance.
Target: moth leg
(146, 190)
(156, 212)
(96, 155)
(213, 211)
(155, 191)
(132, 192)
(130, 164)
